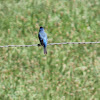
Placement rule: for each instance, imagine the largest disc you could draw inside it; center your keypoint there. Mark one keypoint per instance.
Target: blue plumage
(43, 39)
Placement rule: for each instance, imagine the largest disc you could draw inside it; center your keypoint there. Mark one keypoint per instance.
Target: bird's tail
(45, 50)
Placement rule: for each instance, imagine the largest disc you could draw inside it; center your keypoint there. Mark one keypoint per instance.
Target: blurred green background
(67, 72)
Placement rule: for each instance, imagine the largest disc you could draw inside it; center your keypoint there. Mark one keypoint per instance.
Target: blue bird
(43, 39)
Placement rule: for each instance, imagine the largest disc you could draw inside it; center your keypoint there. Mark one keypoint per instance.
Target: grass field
(67, 72)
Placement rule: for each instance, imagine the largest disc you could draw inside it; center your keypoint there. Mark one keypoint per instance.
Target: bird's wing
(42, 35)
(40, 38)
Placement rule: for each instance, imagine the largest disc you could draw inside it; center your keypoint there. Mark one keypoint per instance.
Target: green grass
(67, 72)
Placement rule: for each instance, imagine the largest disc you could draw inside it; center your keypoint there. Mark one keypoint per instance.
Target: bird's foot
(39, 45)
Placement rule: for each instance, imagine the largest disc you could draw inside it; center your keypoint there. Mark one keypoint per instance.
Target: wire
(74, 43)
(50, 44)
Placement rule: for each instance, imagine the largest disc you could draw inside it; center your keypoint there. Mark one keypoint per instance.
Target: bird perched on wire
(43, 39)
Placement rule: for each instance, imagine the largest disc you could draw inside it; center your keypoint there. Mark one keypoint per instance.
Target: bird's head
(41, 29)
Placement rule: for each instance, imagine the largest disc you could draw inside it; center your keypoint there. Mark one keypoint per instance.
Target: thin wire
(74, 43)
(50, 44)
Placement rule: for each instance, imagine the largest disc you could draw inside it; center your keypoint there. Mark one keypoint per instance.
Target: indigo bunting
(43, 39)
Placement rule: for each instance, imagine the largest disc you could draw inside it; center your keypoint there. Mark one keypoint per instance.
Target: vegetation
(67, 72)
